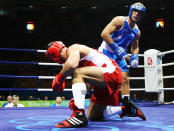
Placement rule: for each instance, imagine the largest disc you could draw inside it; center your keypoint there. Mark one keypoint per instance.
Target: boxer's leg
(97, 112)
(92, 75)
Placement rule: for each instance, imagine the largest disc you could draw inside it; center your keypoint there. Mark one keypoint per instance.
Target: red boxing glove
(58, 83)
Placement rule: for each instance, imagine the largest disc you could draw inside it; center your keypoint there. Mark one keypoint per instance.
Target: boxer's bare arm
(72, 61)
(115, 24)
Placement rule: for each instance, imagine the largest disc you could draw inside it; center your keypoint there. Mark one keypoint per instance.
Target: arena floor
(159, 118)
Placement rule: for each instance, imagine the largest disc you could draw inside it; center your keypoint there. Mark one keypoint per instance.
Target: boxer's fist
(119, 51)
(58, 83)
(134, 60)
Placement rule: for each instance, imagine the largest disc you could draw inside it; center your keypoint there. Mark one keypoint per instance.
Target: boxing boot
(77, 120)
(131, 110)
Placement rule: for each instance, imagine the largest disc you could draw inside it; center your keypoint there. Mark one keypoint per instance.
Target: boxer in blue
(117, 36)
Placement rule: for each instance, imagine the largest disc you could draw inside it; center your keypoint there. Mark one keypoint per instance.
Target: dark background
(80, 21)
(74, 21)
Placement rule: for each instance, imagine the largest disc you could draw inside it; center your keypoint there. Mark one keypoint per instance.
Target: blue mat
(159, 118)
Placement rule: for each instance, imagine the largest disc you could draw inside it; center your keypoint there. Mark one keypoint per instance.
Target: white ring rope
(41, 51)
(138, 89)
(52, 89)
(139, 66)
(49, 64)
(166, 52)
(167, 64)
(167, 77)
(51, 77)
(56, 64)
(171, 88)
(136, 78)
(132, 89)
(141, 55)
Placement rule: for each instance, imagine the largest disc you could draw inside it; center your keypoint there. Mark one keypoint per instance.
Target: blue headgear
(137, 6)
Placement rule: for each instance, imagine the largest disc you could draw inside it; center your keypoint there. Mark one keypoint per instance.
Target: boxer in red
(87, 65)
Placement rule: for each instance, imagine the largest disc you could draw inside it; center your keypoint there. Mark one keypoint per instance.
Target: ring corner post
(153, 73)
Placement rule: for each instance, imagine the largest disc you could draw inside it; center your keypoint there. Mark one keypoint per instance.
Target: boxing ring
(159, 116)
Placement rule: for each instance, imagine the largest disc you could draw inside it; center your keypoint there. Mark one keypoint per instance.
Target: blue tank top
(125, 35)
(122, 37)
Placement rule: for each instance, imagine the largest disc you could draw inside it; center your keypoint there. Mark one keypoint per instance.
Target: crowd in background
(14, 101)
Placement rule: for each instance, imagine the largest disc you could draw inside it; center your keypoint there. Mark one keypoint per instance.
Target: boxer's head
(137, 8)
(54, 50)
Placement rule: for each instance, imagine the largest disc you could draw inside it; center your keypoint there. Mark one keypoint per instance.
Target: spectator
(15, 102)
(58, 102)
(63, 98)
(9, 100)
(38, 98)
(46, 98)
(31, 98)
(1, 98)
(134, 98)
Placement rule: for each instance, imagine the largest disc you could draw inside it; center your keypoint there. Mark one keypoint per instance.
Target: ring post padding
(153, 70)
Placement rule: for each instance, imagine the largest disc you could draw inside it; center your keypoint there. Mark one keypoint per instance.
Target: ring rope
(56, 64)
(25, 50)
(44, 51)
(167, 64)
(33, 63)
(166, 52)
(30, 89)
(166, 77)
(171, 88)
(31, 77)
(43, 63)
(47, 89)
(52, 77)
(39, 51)
(137, 78)
(139, 66)
(69, 77)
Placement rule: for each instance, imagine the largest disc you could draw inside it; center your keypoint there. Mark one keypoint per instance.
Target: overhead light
(31, 6)
(30, 26)
(159, 23)
(162, 8)
(94, 7)
(64, 7)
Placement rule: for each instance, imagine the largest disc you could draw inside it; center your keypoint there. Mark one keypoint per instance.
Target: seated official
(15, 102)
(9, 100)
(58, 102)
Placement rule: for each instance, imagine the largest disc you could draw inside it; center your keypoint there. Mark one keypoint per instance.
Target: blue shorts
(122, 63)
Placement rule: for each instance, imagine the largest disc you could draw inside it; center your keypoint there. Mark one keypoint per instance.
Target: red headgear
(53, 52)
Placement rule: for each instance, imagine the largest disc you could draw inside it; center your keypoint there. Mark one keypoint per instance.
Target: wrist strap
(113, 46)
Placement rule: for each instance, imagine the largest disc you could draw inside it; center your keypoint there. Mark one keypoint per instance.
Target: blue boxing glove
(119, 51)
(134, 60)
